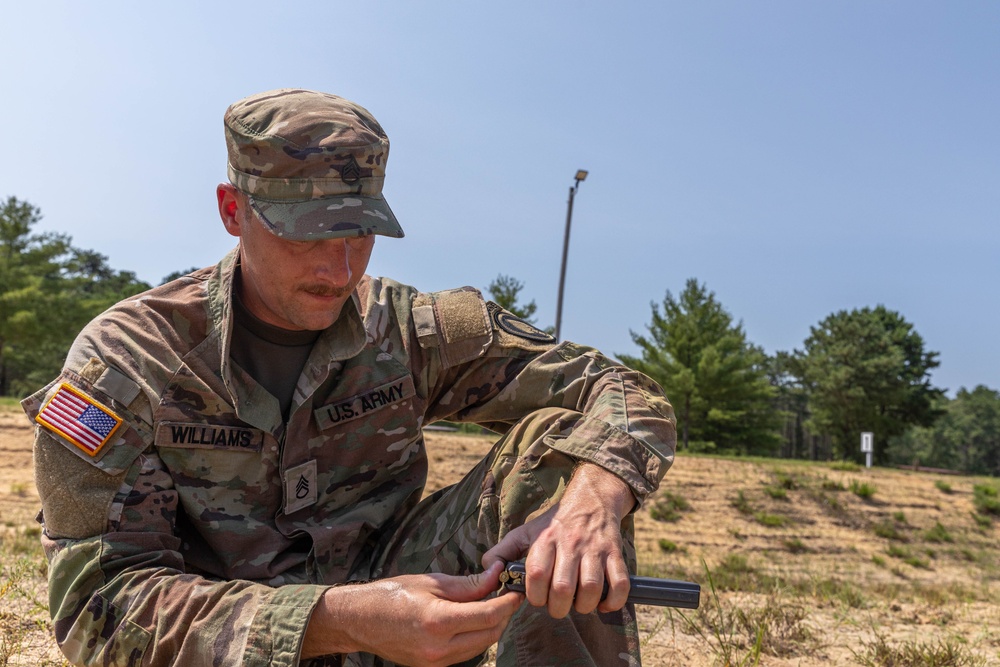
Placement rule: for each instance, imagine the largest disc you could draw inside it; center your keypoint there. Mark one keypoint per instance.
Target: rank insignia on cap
(350, 173)
(79, 419)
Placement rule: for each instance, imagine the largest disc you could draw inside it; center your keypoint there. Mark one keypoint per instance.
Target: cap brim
(328, 217)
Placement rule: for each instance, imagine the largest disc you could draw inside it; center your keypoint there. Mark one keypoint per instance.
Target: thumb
(513, 546)
(475, 586)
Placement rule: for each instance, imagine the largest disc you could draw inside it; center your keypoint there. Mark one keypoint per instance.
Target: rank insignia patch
(79, 419)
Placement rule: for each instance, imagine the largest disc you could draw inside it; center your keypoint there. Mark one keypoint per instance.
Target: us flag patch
(79, 418)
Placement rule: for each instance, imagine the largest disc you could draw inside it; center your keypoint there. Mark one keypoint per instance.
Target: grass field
(800, 563)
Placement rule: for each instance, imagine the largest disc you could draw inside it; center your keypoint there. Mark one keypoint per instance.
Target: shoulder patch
(515, 326)
(118, 386)
(460, 313)
(454, 321)
(79, 419)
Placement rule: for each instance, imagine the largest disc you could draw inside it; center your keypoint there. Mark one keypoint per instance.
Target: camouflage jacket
(186, 522)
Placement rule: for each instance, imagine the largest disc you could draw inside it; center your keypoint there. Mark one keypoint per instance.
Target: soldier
(231, 465)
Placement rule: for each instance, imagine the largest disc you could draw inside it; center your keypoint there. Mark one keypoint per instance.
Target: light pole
(580, 176)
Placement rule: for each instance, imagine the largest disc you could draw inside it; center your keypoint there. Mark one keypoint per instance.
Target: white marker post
(868, 446)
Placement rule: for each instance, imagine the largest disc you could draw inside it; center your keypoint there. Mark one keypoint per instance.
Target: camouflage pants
(450, 530)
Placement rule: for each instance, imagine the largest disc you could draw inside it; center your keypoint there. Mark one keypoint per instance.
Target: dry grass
(822, 587)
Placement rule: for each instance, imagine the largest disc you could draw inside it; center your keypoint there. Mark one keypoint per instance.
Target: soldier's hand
(419, 620)
(574, 547)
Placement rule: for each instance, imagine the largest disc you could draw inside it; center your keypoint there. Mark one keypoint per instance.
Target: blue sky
(797, 158)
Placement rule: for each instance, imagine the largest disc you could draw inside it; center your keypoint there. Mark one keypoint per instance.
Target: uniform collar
(344, 339)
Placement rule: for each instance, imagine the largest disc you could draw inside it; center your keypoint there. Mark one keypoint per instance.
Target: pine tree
(714, 377)
(966, 437)
(867, 370)
(505, 291)
(48, 291)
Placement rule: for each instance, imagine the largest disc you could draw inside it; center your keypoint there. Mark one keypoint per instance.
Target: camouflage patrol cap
(312, 163)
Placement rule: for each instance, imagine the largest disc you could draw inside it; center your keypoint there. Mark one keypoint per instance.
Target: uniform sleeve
(485, 365)
(118, 589)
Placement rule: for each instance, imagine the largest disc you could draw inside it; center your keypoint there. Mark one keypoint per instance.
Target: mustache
(325, 290)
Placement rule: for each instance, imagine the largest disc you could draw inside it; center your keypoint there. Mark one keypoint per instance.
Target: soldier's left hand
(574, 547)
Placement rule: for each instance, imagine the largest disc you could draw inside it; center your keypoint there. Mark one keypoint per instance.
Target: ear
(230, 203)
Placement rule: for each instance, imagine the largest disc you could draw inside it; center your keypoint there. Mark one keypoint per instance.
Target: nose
(333, 265)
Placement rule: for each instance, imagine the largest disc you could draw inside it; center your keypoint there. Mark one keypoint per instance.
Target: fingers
(591, 585)
(618, 584)
(450, 631)
(562, 582)
(489, 615)
(538, 570)
(562, 590)
(495, 618)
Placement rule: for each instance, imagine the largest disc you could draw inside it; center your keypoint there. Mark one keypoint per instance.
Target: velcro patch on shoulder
(455, 321)
(462, 314)
(118, 386)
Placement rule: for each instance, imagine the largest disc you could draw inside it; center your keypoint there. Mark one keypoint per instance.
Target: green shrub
(668, 507)
(668, 547)
(848, 466)
(833, 590)
(776, 492)
(770, 520)
(907, 557)
(943, 486)
(742, 504)
(786, 481)
(831, 503)
(984, 497)
(735, 573)
(862, 489)
(796, 546)
(917, 562)
(832, 485)
(889, 531)
(938, 534)
(898, 552)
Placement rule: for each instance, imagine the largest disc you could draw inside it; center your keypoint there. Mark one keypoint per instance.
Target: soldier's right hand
(425, 620)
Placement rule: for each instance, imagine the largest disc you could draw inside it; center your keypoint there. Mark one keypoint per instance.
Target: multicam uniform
(204, 528)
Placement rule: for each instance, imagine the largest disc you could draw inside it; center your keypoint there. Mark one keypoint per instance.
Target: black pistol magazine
(644, 590)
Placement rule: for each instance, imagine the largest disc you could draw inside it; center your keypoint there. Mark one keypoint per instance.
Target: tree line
(49, 289)
(860, 370)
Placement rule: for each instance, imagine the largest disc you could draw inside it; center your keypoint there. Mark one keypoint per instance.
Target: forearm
(110, 603)
(343, 618)
(624, 423)
(593, 480)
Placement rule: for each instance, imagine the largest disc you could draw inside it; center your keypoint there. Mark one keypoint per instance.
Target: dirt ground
(795, 568)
